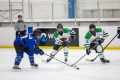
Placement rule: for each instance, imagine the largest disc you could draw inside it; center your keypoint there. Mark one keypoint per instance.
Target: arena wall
(7, 36)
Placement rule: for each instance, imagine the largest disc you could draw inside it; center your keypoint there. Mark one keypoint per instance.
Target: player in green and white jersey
(93, 41)
(62, 35)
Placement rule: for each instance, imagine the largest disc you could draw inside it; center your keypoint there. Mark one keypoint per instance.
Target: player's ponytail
(31, 34)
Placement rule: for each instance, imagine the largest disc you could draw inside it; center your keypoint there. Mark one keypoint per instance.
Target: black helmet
(92, 26)
(36, 32)
(19, 16)
(59, 25)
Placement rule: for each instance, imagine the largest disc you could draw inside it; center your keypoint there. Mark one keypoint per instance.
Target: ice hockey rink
(59, 71)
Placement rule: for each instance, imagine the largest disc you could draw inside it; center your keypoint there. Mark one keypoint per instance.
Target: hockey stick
(82, 57)
(104, 48)
(64, 62)
(55, 53)
(61, 48)
(78, 60)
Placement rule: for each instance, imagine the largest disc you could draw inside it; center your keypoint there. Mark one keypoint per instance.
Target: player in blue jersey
(118, 32)
(27, 44)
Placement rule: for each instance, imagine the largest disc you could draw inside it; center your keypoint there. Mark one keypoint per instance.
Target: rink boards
(8, 36)
(51, 47)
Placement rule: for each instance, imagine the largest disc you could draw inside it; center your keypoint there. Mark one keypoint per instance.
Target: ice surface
(58, 71)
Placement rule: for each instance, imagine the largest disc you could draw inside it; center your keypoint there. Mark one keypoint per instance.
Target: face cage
(37, 34)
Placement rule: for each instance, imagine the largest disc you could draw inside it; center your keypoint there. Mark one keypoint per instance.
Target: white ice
(58, 71)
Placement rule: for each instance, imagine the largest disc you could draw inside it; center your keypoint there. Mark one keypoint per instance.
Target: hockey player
(118, 32)
(62, 35)
(93, 41)
(28, 44)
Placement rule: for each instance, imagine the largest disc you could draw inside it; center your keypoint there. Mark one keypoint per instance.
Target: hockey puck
(77, 68)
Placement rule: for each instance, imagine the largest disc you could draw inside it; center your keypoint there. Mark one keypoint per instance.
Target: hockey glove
(88, 51)
(65, 43)
(41, 52)
(101, 40)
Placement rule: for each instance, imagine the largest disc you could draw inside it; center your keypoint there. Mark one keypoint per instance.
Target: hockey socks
(31, 56)
(18, 58)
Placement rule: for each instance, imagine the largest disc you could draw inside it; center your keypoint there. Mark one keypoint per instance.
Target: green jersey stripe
(106, 36)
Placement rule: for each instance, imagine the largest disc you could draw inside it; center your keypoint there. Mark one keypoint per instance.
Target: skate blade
(104, 63)
(34, 67)
(16, 70)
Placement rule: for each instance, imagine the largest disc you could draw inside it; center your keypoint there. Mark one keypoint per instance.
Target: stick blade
(43, 60)
(88, 60)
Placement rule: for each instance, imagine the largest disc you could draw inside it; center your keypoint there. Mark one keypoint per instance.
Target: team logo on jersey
(43, 37)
